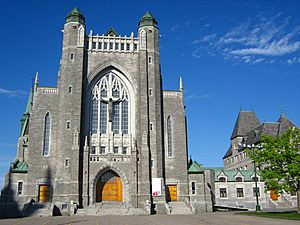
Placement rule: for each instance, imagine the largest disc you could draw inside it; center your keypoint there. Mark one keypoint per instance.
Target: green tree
(279, 161)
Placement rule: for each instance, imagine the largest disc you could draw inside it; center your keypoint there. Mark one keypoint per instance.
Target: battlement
(48, 90)
(103, 43)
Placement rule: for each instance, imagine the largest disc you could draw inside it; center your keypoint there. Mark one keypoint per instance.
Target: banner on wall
(156, 186)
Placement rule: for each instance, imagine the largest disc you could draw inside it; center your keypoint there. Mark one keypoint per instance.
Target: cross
(110, 102)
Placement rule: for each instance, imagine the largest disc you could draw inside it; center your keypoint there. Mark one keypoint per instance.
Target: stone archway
(109, 187)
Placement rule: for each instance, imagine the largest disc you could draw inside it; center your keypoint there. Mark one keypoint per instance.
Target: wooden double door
(109, 188)
(171, 193)
(43, 193)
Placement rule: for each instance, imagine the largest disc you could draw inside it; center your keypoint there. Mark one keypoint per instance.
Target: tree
(279, 161)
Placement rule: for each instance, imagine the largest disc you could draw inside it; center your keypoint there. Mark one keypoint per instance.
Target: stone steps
(179, 208)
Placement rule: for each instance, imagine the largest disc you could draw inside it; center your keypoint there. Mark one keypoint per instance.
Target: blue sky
(232, 55)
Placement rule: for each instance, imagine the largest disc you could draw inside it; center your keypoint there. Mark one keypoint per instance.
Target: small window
(151, 163)
(223, 192)
(116, 150)
(149, 59)
(122, 46)
(64, 206)
(254, 192)
(99, 45)
(239, 179)
(128, 47)
(239, 192)
(66, 162)
(93, 150)
(105, 46)
(20, 188)
(111, 45)
(222, 179)
(150, 91)
(72, 56)
(102, 150)
(151, 126)
(70, 89)
(68, 125)
(116, 46)
(255, 179)
(94, 45)
(124, 150)
(135, 47)
(193, 187)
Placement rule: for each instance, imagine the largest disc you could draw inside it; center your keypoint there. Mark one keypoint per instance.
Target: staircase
(179, 208)
(37, 209)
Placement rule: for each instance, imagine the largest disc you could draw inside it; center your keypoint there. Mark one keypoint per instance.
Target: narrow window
(20, 188)
(111, 46)
(223, 193)
(93, 150)
(100, 45)
(239, 192)
(170, 137)
(72, 56)
(239, 179)
(128, 47)
(135, 47)
(116, 46)
(256, 190)
(222, 179)
(149, 59)
(102, 150)
(68, 125)
(66, 162)
(116, 150)
(105, 45)
(151, 163)
(150, 91)
(47, 130)
(70, 89)
(193, 186)
(151, 126)
(124, 150)
(122, 46)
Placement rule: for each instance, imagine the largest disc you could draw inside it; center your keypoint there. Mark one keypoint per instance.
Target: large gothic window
(170, 137)
(109, 104)
(47, 130)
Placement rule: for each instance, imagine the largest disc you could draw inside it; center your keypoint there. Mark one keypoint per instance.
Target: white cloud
(193, 96)
(256, 40)
(174, 27)
(12, 93)
(7, 145)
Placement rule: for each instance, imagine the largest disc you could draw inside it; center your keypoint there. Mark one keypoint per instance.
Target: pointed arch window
(170, 137)
(110, 103)
(47, 133)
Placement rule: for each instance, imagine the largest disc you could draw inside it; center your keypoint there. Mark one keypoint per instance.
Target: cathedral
(107, 139)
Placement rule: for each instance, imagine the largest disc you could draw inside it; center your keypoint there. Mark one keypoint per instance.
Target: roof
(111, 32)
(19, 166)
(25, 119)
(147, 20)
(245, 122)
(75, 16)
(233, 173)
(228, 153)
(195, 167)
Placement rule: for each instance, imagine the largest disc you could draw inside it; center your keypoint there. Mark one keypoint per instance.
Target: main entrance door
(171, 193)
(109, 188)
(43, 193)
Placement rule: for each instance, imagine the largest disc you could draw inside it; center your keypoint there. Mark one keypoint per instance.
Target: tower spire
(180, 84)
(36, 81)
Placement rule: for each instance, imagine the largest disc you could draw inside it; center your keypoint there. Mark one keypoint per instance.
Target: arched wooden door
(109, 188)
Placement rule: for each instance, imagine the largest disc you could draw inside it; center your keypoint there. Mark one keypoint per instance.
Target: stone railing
(112, 43)
(172, 94)
(109, 158)
(49, 90)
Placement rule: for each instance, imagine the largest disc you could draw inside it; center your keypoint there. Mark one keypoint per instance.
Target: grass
(275, 215)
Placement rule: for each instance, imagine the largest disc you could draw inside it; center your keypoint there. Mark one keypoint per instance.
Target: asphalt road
(200, 219)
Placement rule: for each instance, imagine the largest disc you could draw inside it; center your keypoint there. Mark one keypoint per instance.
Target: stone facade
(108, 122)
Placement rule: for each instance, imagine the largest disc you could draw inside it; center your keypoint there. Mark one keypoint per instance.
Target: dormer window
(222, 179)
(239, 179)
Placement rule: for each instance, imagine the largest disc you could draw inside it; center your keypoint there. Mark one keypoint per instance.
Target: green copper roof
(148, 20)
(111, 32)
(75, 16)
(232, 174)
(25, 119)
(195, 167)
(19, 166)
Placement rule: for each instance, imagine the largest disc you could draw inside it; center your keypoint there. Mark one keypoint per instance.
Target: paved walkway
(200, 219)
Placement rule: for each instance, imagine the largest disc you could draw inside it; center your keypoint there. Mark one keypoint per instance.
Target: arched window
(170, 137)
(47, 132)
(222, 179)
(109, 104)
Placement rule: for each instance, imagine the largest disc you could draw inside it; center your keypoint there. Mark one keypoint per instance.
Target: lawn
(276, 215)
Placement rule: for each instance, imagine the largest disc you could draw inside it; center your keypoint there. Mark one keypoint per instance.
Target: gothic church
(108, 135)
